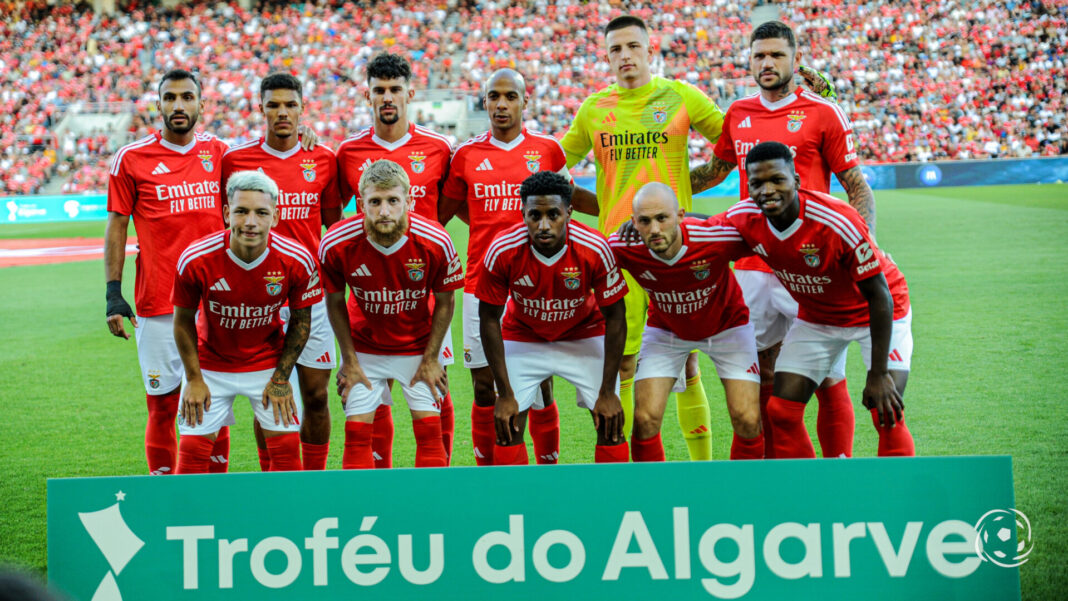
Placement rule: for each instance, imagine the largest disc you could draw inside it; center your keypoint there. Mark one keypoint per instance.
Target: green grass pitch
(985, 267)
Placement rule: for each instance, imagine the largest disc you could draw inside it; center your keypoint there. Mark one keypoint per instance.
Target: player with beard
(308, 201)
(424, 155)
(168, 184)
(402, 270)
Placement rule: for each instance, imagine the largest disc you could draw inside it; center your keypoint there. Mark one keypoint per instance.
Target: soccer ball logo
(1003, 537)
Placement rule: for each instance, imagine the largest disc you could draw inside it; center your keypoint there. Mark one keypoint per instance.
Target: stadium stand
(922, 80)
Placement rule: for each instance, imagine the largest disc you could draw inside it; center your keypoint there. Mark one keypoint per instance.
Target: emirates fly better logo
(116, 541)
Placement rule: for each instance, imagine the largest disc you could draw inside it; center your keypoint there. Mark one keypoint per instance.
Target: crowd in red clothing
(922, 80)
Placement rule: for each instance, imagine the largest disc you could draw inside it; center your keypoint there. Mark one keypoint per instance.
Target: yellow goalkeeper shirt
(639, 136)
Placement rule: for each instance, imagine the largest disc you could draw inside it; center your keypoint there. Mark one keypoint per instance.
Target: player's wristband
(117, 305)
(114, 288)
(280, 382)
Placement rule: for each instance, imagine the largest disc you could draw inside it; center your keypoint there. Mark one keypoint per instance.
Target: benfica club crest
(417, 162)
(572, 278)
(416, 269)
(533, 161)
(659, 113)
(700, 270)
(274, 282)
(205, 161)
(308, 167)
(793, 121)
(153, 379)
(812, 257)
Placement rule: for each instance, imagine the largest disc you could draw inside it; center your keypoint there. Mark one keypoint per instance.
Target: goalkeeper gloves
(818, 82)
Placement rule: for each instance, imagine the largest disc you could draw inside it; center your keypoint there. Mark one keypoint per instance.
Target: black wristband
(114, 287)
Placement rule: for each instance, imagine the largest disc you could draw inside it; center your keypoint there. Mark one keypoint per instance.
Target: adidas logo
(366, 164)
(324, 359)
(446, 353)
(160, 169)
(895, 355)
(702, 429)
(648, 275)
(551, 457)
(753, 369)
(220, 286)
(759, 250)
(484, 166)
(479, 454)
(159, 472)
(610, 119)
(524, 281)
(376, 456)
(745, 123)
(218, 458)
(363, 271)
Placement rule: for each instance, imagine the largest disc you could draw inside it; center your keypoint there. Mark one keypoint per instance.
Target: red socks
(788, 423)
(544, 427)
(769, 440)
(617, 453)
(835, 421)
(220, 452)
(514, 455)
(650, 449)
(358, 453)
(161, 441)
(265, 459)
(194, 454)
(285, 452)
(429, 450)
(483, 434)
(382, 437)
(893, 442)
(313, 456)
(747, 448)
(448, 426)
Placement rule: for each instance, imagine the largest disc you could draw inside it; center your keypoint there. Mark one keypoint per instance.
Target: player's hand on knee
(308, 137)
(279, 396)
(505, 414)
(881, 394)
(433, 375)
(196, 400)
(608, 414)
(349, 375)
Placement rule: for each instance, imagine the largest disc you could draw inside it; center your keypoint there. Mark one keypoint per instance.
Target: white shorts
(771, 308)
(379, 369)
(319, 352)
(474, 356)
(161, 365)
(580, 362)
(733, 352)
(813, 350)
(224, 386)
(445, 356)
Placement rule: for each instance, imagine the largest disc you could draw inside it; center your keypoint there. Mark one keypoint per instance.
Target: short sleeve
(455, 185)
(122, 189)
(838, 147)
(493, 285)
(705, 115)
(609, 286)
(724, 149)
(307, 287)
(576, 143)
(187, 290)
(333, 276)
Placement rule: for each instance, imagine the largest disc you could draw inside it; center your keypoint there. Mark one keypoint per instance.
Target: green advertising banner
(796, 529)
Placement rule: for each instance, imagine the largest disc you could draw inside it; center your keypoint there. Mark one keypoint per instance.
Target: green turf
(985, 268)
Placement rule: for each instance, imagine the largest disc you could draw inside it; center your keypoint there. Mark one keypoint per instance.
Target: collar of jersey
(176, 148)
(507, 145)
(243, 265)
(639, 90)
(778, 104)
(550, 261)
(669, 262)
(389, 250)
(279, 154)
(391, 146)
(788, 231)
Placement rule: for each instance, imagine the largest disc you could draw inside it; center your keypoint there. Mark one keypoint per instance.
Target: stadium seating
(921, 80)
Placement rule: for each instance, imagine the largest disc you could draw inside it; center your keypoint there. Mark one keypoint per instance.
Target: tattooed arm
(711, 173)
(279, 393)
(860, 195)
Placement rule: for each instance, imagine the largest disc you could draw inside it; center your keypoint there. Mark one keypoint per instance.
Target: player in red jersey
(483, 185)
(424, 155)
(846, 289)
(402, 269)
(308, 200)
(558, 278)
(239, 279)
(694, 304)
(169, 184)
(821, 138)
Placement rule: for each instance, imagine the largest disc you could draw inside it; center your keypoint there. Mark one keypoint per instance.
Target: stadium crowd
(921, 80)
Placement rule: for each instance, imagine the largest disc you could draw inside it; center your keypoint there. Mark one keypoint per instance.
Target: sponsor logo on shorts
(153, 380)
(416, 269)
(812, 256)
(324, 358)
(467, 355)
(274, 282)
(753, 369)
(895, 355)
(572, 278)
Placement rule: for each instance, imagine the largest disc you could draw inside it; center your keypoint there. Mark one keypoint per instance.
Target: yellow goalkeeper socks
(695, 419)
(626, 398)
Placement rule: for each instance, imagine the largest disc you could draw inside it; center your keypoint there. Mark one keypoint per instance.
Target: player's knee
(746, 424)
(484, 391)
(646, 423)
(780, 416)
(627, 367)
(316, 402)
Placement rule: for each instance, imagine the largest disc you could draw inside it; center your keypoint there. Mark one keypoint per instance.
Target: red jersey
(551, 298)
(391, 306)
(820, 257)
(423, 153)
(487, 173)
(238, 328)
(694, 295)
(173, 195)
(307, 184)
(816, 130)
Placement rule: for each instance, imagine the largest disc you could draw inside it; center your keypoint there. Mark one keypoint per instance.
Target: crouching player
(402, 269)
(240, 278)
(566, 317)
(694, 304)
(846, 289)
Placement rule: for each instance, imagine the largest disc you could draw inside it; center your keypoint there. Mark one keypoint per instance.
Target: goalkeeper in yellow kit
(638, 130)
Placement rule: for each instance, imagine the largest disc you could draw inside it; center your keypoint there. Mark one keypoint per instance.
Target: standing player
(846, 289)
(402, 269)
(694, 304)
(558, 278)
(821, 138)
(169, 184)
(639, 131)
(484, 180)
(239, 279)
(424, 155)
(307, 200)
